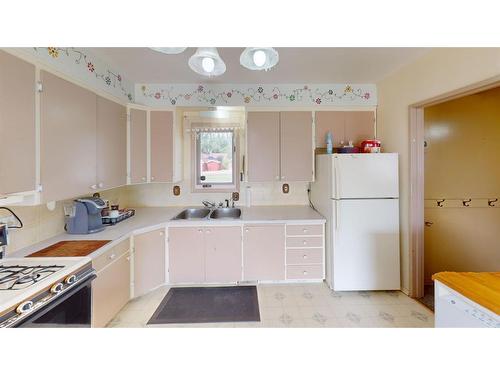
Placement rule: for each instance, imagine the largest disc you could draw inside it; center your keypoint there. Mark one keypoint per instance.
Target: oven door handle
(56, 301)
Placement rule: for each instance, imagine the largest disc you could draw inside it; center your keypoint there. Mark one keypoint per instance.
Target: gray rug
(208, 305)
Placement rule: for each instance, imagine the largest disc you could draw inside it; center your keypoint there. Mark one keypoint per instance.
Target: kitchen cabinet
(17, 125)
(279, 146)
(162, 146)
(186, 260)
(263, 252)
(204, 254)
(263, 146)
(111, 144)
(222, 254)
(345, 126)
(111, 288)
(67, 139)
(138, 146)
(149, 261)
(296, 146)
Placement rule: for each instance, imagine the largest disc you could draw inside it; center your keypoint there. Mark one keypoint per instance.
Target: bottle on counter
(329, 143)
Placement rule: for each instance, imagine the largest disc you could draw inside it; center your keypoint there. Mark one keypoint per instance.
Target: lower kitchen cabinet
(204, 254)
(149, 261)
(223, 254)
(186, 249)
(263, 252)
(111, 288)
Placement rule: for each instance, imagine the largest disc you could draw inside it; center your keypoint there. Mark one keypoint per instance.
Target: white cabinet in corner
(149, 261)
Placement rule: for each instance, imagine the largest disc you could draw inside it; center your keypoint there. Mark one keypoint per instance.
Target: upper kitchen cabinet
(17, 125)
(296, 146)
(138, 146)
(67, 139)
(111, 144)
(355, 126)
(263, 146)
(279, 146)
(162, 146)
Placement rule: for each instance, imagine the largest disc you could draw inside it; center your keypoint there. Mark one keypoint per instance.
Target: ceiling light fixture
(206, 61)
(169, 50)
(259, 58)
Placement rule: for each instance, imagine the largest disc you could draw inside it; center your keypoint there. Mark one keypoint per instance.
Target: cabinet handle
(93, 187)
(101, 185)
(112, 256)
(304, 256)
(304, 230)
(162, 233)
(207, 231)
(143, 179)
(246, 229)
(128, 258)
(304, 273)
(304, 242)
(200, 230)
(152, 178)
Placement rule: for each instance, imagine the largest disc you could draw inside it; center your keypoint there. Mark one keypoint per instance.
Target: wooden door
(67, 139)
(264, 252)
(296, 146)
(149, 261)
(111, 144)
(186, 249)
(222, 254)
(138, 146)
(110, 291)
(263, 146)
(17, 125)
(162, 146)
(359, 126)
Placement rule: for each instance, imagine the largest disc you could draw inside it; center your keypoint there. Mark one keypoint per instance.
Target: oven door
(71, 309)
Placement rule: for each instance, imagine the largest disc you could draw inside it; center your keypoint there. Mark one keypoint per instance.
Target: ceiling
(296, 65)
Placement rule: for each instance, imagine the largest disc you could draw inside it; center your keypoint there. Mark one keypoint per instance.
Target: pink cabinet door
(222, 254)
(138, 146)
(264, 252)
(162, 150)
(296, 146)
(359, 126)
(263, 146)
(186, 249)
(332, 121)
(149, 261)
(67, 139)
(111, 144)
(355, 126)
(17, 125)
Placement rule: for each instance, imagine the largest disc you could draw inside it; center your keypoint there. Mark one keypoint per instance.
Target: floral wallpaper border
(81, 64)
(256, 95)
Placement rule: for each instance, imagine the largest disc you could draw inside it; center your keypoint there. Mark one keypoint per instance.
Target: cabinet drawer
(304, 256)
(304, 230)
(314, 271)
(304, 241)
(109, 256)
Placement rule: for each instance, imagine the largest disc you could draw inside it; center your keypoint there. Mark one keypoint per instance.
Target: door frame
(416, 123)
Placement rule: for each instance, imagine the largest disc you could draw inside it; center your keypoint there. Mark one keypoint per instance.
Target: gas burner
(20, 277)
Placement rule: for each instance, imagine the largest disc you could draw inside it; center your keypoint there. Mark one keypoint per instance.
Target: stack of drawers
(305, 252)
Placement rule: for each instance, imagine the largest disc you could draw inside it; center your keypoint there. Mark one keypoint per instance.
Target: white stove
(30, 286)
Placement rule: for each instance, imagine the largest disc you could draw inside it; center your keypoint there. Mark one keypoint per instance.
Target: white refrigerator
(359, 196)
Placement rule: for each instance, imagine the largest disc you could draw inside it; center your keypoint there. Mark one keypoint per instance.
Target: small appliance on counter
(370, 146)
(84, 216)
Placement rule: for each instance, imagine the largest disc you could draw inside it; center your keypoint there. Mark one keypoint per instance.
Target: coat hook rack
(466, 203)
(491, 202)
(440, 202)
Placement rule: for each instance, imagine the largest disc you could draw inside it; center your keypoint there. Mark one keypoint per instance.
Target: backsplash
(40, 223)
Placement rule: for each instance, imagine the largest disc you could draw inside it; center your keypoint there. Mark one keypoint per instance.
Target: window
(215, 159)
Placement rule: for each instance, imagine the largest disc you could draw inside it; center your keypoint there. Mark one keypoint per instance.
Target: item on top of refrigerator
(349, 149)
(370, 146)
(329, 143)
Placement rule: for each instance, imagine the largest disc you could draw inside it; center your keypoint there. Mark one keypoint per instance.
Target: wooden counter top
(78, 248)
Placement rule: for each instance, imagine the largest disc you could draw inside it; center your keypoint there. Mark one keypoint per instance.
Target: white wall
(440, 71)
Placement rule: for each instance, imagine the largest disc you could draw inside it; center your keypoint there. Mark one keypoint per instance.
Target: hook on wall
(440, 202)
(466, 203)
(491, 202)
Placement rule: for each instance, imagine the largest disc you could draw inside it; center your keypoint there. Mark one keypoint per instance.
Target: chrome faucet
(209, 204)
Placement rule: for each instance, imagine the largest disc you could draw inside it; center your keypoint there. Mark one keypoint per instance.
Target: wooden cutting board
(70, 249)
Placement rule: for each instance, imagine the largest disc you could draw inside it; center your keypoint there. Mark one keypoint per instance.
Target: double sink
(206, 213)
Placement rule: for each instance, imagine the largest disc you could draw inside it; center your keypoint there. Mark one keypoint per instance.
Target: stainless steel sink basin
(226, 213)
(193, 213)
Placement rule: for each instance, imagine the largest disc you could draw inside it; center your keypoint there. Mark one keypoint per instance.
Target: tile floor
(302, 305)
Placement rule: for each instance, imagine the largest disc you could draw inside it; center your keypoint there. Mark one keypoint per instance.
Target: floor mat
(208, 305)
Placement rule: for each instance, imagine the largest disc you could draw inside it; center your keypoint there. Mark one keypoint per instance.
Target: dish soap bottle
(329, 143)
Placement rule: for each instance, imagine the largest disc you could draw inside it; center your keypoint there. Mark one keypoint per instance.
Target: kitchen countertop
(151, 218)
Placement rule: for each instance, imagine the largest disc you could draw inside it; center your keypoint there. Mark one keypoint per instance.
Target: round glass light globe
(208, 64)
(259, 58)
